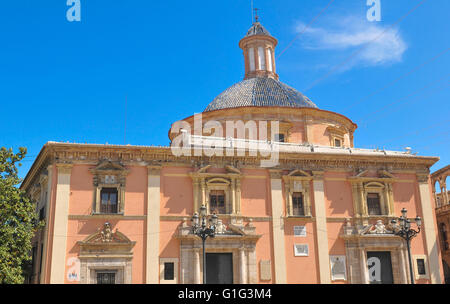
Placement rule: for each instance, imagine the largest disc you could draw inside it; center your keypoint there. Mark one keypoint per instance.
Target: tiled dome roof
(260, 92)
(257, 29)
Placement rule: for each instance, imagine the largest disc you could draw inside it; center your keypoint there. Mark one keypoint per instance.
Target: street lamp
(404, 230)
(204, 230)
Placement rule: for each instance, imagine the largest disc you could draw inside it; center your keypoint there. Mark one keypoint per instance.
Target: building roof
(257, 29)
(260, 92)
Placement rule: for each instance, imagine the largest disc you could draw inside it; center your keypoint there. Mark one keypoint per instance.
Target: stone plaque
(338, 267)
(265, 270)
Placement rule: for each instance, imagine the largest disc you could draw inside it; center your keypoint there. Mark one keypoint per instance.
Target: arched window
(261, 58)
(269, 60)
(251, 59)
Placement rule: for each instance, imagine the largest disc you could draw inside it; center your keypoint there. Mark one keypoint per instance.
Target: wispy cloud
(379, 45)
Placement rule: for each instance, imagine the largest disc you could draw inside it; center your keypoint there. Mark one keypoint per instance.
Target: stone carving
(378, 228)
(220, 227)
(106, 233)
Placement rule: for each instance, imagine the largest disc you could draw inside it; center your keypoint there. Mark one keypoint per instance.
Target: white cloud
(378, 45)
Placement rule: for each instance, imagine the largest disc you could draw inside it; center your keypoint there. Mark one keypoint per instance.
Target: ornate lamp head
(404, 212)
(203, 211)
(195, 220)
(418, 221)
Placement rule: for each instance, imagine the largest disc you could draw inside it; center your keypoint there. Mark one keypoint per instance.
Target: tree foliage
(18, 219)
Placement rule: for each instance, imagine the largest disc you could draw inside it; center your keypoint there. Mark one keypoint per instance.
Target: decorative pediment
(229, 170)
(381, 175)
(218, 181)
(299, 173)
(109, 167)
(106, 236)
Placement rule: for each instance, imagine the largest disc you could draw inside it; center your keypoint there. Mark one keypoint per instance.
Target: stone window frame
(336, 133)
(162, 262)
(219, 184)
(100, 174)
(230, 182)
(378, 188)
(298, 181)
(107, 251)
(382, 185)
(416, 269)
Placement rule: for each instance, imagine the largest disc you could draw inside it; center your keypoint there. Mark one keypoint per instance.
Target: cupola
(259, 52)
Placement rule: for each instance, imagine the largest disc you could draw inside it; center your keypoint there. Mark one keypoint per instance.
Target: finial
(256, 14)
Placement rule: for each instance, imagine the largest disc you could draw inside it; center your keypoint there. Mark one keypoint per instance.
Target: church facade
(314, 209)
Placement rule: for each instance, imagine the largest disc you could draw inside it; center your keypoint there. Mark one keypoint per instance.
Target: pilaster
(153, 218)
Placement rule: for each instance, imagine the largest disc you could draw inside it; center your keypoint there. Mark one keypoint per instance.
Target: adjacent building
(442, 198)
(303, 205)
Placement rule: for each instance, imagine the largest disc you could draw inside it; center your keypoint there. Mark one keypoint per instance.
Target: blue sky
(67, 81)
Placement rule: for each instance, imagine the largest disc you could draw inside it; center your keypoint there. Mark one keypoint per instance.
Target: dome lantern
(259, 52)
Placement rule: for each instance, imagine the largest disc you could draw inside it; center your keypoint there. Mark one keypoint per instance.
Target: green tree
(18, 219)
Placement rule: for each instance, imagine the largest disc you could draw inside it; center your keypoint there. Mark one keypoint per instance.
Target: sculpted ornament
(378, 228)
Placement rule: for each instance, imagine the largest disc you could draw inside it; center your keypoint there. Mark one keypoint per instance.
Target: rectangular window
(297, 204)
(106, 277)
(337, 143)
(169, 271)
(217, 202)
(261, 58)
(421, 267)
(300, 231)
(251, 59)
(373, 204)
(301, 250)
(108, 198)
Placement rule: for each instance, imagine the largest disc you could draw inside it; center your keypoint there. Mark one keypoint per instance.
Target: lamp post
(405, 231)
(203, 229)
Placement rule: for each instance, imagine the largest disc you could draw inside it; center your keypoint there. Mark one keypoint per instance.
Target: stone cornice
(71, 153)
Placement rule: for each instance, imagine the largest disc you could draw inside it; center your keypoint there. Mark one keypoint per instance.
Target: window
(301, 250)
(261, 58)
(217, 201)
(297, 204)
(337, 143)
(421, 267)
(373, 204)
(300, 231)
(106, 277)
(279, 138)
(269, 59)
(169, 271)
(251, 59)
(108, 200)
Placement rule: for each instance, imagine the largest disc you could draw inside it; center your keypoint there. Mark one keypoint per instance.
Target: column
(243, 264)
(46, 228)
(321, 227)
(429, 228)
(153, 214)
(197, 270)
(278, 227)
(60, 221)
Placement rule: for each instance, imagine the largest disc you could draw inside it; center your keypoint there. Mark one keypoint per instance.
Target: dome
(257, 29)
(260, 92)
